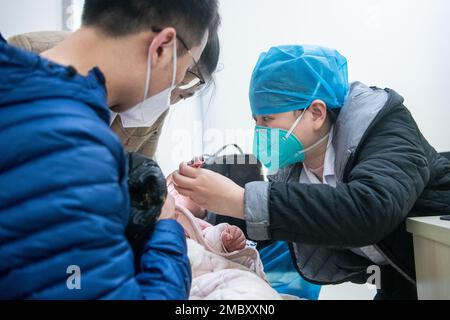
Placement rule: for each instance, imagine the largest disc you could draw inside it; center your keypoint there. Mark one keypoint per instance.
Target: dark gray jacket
(386, 171)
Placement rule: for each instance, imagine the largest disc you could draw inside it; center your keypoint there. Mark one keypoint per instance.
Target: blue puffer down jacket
(64, 201)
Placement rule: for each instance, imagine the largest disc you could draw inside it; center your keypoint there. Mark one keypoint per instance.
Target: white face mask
(150, 109)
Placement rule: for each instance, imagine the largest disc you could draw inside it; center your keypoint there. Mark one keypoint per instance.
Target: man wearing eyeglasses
(64, 201)
(145, 140)
(142, 140)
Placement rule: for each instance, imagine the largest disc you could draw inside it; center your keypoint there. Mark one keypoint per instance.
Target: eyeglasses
(197, 77)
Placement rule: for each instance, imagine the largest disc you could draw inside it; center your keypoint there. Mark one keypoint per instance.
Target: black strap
(225, 147)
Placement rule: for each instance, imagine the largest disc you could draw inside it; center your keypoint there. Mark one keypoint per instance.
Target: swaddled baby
(225, 266)
(222, 238)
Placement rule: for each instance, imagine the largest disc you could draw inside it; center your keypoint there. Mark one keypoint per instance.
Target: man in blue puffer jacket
(64, 201)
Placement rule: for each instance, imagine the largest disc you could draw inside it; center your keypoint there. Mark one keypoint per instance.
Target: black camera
(148, 193)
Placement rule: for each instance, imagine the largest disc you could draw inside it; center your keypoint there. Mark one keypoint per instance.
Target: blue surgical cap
(290, 78)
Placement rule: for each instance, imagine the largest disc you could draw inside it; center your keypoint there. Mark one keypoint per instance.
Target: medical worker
(350, 166)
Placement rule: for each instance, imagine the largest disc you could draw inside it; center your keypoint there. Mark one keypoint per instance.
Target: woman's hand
(233, 239)
(184, 201)
(210, 190)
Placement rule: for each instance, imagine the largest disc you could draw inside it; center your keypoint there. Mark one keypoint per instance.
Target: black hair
(208, 64)
(333, 115)
(209, 59)
(191, 18)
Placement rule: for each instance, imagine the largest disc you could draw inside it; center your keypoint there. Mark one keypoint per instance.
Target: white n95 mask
(150, 109)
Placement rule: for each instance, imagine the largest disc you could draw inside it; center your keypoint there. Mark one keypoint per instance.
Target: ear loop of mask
(315, 145)
(149, 74)
(175, 63)
(296, 123)
(147, 82)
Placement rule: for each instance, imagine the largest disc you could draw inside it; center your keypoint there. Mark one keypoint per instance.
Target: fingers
(183, 182)
(197, 162)
(235, 241)
(238, 238)
(236, 231)
(185, 192)
(226, 235)
(242, 239)
(233, 244)
(188, 171)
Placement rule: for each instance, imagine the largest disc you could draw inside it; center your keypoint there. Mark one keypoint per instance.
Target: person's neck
(86, 49)
(315, 159)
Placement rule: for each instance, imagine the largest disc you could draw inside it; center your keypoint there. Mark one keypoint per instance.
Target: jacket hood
(362, 108)
(26, 76)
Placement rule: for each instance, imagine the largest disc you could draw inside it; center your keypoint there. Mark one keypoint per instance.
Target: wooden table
(432, 255)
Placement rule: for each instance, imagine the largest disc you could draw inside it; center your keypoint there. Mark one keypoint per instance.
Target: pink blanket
(218, 274)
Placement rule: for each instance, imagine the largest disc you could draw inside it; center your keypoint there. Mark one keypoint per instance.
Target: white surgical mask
(150, 109)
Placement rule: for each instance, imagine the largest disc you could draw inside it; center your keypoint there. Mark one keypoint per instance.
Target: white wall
(400, 44)
(20, 16)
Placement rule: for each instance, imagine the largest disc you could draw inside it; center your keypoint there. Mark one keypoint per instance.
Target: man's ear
(318, 110)
(161, 46)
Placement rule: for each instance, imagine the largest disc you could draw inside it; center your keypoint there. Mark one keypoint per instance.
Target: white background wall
(402, 44)
(21, 16)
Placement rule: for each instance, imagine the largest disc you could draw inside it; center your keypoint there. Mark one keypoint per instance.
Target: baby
(225, 266)
(227, 238)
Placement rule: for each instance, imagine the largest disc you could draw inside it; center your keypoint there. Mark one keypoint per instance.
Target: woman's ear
(318, 110)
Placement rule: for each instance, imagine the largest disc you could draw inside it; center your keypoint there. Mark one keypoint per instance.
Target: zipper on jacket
(395, 266)
(349, 165)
